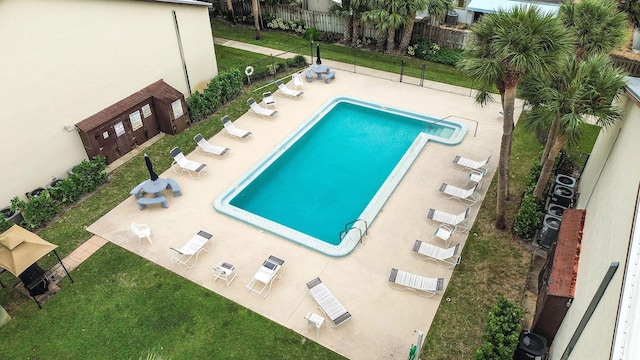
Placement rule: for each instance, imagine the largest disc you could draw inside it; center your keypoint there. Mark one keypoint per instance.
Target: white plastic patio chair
(142, 231)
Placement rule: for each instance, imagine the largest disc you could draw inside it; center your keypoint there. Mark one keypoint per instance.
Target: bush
(311, 34)
(427, 50)
(528, 217)
(224, 87)
(501, 331)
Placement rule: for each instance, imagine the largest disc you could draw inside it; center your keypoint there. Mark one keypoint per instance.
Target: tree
(256, 17)
(438, 10)
(584, 87)
(507, 46)
(411, 8)
(386, 16)
(344, 11)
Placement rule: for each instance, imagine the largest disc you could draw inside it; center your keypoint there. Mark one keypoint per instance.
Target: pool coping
(350, 239)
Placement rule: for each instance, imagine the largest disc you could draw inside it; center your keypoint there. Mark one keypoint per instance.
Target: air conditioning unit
(567, 181)
(561, 195)
(530, 346)
(556, 210)
(549, 232)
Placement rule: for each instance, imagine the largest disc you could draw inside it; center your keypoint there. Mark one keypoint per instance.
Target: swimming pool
(339, 166)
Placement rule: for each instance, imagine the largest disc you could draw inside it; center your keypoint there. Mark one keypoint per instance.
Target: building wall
(608, 191)
(62, 61)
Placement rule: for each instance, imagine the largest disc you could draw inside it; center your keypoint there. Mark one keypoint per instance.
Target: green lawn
(122, 306)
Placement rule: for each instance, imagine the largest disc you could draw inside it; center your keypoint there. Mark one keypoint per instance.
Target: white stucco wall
(62, 61)
(608, 191)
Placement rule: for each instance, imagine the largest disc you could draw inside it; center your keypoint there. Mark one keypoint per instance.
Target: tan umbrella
(19, 248)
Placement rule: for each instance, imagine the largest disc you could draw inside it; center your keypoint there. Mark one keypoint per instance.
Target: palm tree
(438, 10)
(411, 8)
(386, 17)
(579, 89)
(344, 11)
(507, 46)
(256, 17)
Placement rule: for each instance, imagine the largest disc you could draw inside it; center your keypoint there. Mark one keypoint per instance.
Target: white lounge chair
(328, 303)
(460, 221)
(447, 258)
(266, 274)
(268, 99)
(192, 249)
(465, 163)
(208, 148)
(422, 285)
(231, 130)
(181, 164)
(467, 197)
(142, 231)
(256, 108)
(224, 271)
(297, 82)
(286, 91)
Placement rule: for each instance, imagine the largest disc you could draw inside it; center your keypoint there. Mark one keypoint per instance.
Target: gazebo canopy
(20, 248)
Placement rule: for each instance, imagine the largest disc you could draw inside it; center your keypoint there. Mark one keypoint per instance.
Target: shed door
(106, 139)
(122, 129)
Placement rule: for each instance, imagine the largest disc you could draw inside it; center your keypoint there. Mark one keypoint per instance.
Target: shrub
(38, 210)
(328, 37)
(501, 331)
(296, 61)
(311, 34)
(528, 217)
(88, 175)
(427, 50)
(224, 87)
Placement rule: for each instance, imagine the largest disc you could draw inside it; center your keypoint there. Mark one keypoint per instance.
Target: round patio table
(154, 187)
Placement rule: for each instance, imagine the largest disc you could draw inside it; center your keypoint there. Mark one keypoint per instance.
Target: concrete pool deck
(383, 319)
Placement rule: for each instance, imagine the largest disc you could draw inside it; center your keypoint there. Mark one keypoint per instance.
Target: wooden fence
(630, 66)
(444, 37)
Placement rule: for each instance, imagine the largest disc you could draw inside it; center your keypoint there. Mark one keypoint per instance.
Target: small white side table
(315, 320)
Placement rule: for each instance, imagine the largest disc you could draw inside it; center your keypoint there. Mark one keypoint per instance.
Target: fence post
(311, 52)
(424, 66)
(401, 70)
(273, 66)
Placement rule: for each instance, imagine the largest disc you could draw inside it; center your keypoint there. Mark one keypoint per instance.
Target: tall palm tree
(411, 9)
(506, 46)
(344, 11)
(581, 89)
(386, 17)
(578, 89)
(256, 17)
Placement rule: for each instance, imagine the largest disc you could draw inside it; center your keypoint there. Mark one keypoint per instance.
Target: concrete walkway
(384, 319)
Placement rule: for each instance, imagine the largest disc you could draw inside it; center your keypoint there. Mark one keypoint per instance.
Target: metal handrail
(350, 225)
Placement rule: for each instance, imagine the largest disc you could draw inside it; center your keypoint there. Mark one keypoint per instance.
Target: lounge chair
(328, 303)
(206, 147)
(181, 164)
(460, 221)
(467, 197)
(192, 249)
(464, 163)
(142, 231)
(286, 91)
(266, 274)
(268, 99)
(447, 258)
(422, 285)
(231, 130)
(256, 108)
(297, 81)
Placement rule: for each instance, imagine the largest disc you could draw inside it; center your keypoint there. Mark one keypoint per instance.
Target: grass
(123, 306)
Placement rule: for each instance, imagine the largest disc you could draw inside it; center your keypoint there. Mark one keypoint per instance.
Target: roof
(184, 2)
(491, 6)
(159, 90)
(633, 86)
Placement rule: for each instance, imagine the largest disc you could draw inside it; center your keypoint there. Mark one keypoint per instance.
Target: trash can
(452, 18)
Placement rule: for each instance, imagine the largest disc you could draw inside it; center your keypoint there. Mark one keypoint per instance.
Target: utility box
(123, 126)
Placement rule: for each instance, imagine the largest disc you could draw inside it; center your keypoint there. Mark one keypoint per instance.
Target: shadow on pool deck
(384, 319)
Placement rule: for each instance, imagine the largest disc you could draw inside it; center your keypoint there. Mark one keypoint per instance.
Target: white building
(65, 60)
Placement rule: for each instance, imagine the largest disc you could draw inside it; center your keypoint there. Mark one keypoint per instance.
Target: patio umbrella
(19, 248)
(152, 173)
(318, 61)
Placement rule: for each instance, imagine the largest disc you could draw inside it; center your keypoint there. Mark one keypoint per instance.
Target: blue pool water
(331, 170)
